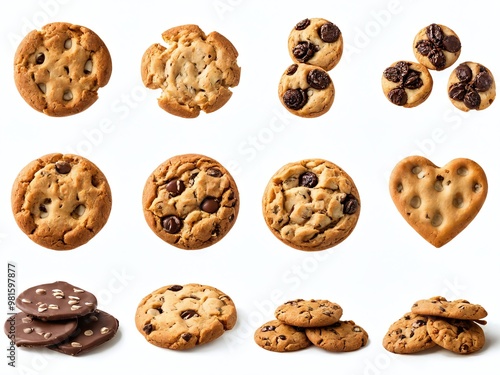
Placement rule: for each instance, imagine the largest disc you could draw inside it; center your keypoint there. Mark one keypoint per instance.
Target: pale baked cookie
(311, 204)
(437, 47)
(441, 307)
(406, 83)
(471, 86)
(317, 42)
(306, 90)
(308, 313)
(183, 316)
(194, 71)
(343, 336)
(408, 335)
(438, 202)
(59, 68)
(277, 336)
(459, 336)
(61, 201)
(190, 201)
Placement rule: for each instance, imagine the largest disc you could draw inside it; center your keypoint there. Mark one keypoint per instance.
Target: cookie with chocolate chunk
(408, 335)
(459, 336)
(342, 336)
(457, 309)
(277, 336)
(471, 86)
(190, 201)
(308, 313)
(61, 201)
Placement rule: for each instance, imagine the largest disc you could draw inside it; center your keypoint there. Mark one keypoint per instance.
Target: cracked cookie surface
(309, 313)
(342, 336)
(457, 309)
(408, 335)
(277, 336)
(459, 336)
(61, 201)
(190, 201)
(59, 69)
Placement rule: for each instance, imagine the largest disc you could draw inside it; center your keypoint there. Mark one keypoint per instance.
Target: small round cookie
(190, 201)
(343, 336)
(308, 313)
(437, 47)
(458, 309)
(471, 86)
(277, 336)
(194, 71)
(407, 84)
(61, 201)
(408, 335)
(306, 90)
(58, 69)
(311, 205)
(459, 336)
(317, 42)
(183, 316)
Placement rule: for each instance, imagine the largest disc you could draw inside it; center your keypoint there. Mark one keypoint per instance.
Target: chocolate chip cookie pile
(452, 325)
(305, 89)
(300, 324)
(61, 317)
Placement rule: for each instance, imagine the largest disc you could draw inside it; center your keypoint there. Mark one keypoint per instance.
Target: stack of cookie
(61, 317)
(300, 324)
(452, 325)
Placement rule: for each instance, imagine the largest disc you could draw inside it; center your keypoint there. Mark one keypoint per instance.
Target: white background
(375, 275)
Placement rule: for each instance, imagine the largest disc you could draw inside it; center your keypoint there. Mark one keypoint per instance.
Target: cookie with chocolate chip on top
(471, 86)
(308, 313)
(277, 336)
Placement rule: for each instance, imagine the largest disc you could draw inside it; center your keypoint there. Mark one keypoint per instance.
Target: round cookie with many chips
(441, 307)
(311, 204)
(343, 336)
(183, 316)
(61, 201)
(308, 313)
(190, 201)
(277, 336)
(408, 335)
(459, 336)
(317, 42)
(59, 69)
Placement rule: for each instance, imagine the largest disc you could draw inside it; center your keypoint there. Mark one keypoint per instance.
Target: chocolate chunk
(318, 79)
(292, 69)
(472, 100)
(351, 204)
(435, 34)
(424, 47)
(451, 43)
(188, 314)
(463, 73)
(329, 32)
(308, 179)
(148, 328)
(457, 91)
(210, 205)
(403, 67)
(398, 96)
(412, 80)
(63, 167)
(175, 187)
(175, 288)
(393, 74)
(268, 328)
(437, 58)
(295, 98)
(303, 24)
(214, 172)
(186, 336)
(483, 81)
(282, 337)
(40, 58)
(172, 224)
(304, 51)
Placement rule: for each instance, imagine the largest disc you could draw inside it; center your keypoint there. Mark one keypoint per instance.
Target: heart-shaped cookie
(438, 202)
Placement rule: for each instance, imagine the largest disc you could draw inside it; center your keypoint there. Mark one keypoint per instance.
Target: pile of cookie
(452, 325)
(301, 323)
(315, 46)
(61, 317)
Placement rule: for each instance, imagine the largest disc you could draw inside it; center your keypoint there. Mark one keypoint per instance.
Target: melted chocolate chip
(451, 43)
(463, 73)
(457, 91)
(40, 58)
(393, 74)
(437, 58)
(175, 187)
(308, 179)
(214, 172)
(282, 337)
(403, 67)
(351, 204)
(424, 47)
(435, 34)
(188, 314)
(304, 50)
(398, 96)
(292, 69)
(303, 24)
(318, 79)
(472, 100)
(329, 32)
(295, 98)
(148, 328)
(175, 288)
(172, 224)
(483, 81)
(210, 205)
(412, 80)
(186, 336)
(268, 328)
(63, 167)
(42, 208)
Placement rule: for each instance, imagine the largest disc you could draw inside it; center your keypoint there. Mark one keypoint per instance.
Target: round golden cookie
(277, 336)
(459, 336)
(471, 86)
(311, 204)
(406, 83)
(317, 42)
(408, 335)
(437, 47)
(61, 201)
(342, 336)
(308, 313)
(441, 307)
(58, 69)
(306, 90)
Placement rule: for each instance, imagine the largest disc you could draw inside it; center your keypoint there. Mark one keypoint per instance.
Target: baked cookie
(56, 301)
(29, 332)
(408, 335)
(306, 90)
(343, 336)
(59, 68)
(183, 316)
(310, 313)
(311, 204)
(317, 42)
(471, 86)
(277, 336)
(459, 336)
(194, 71)
(437, 47)
(438, 202)
(406, 84)
(458, 309)
(61, 201)
(190, 201)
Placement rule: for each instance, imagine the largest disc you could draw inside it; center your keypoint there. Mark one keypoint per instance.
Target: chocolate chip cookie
(277, 336)
(459, 336)
(317, 42)
(408, 335)
(190, 201)
(194, 72)
(471, 86)
(61, 201)
(406, 84)
(308, 313)
(306, 90)
(441, 307)
(183, 316)
(311, 204)
(342, 336)
(59, 69)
